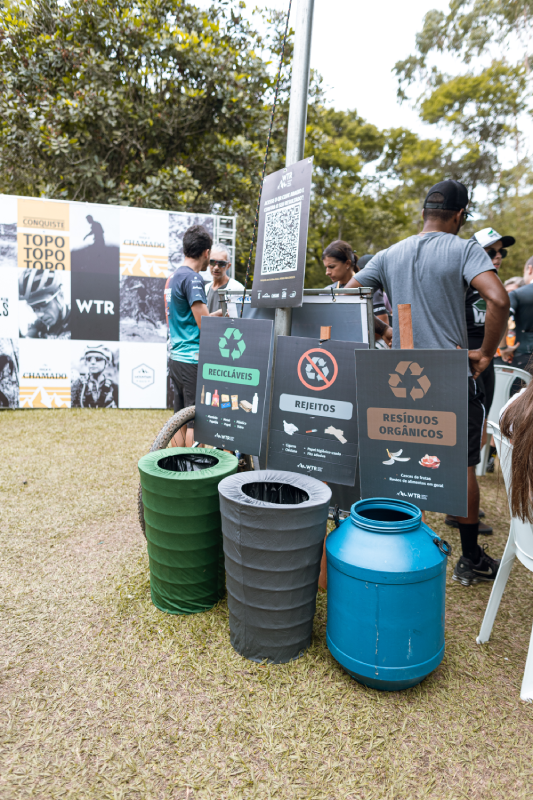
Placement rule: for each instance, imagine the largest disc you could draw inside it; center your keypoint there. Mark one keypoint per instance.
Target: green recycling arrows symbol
(224, 343)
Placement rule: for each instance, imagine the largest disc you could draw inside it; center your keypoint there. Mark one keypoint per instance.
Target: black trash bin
(273, 526)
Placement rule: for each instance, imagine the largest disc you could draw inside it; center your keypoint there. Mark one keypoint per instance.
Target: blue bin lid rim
(385, 503)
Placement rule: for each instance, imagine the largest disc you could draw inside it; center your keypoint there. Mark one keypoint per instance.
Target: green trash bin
(183, 527)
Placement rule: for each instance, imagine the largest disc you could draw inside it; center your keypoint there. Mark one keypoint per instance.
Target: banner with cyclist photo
(81, 276)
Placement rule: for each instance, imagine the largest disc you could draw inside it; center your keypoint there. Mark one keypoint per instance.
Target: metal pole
(301, 60)
(301, 64)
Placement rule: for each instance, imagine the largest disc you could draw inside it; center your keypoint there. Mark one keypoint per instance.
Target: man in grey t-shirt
(432, 272)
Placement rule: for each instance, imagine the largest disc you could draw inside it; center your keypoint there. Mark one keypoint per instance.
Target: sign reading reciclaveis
(313, 426)
(232, 376)
(413, 426)
(282, 237)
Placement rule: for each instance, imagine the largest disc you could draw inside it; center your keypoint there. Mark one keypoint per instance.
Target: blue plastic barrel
(386, 594)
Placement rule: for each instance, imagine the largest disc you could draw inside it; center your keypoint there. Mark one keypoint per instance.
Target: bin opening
(384, 514)
(190, 462)
(280, 493)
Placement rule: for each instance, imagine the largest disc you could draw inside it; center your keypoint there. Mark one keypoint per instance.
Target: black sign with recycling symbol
(231, 386)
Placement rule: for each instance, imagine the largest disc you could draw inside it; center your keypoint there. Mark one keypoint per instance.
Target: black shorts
(485, 384)
(183, 377)
(476, 420)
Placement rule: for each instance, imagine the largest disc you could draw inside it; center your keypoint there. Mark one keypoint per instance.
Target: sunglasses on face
(220, 264)
(492, 253)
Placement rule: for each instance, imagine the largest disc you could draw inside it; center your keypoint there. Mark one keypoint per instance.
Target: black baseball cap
(455, 196)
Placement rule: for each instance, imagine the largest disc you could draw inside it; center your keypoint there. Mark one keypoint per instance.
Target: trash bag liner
(272, 551)
(192, 462)
(183, 532)
(280, 493)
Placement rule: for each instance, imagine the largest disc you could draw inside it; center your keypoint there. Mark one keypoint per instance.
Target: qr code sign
(280, 245)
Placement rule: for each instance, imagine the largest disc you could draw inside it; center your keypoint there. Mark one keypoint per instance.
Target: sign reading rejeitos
(232, 378)
(314, 414)
(413, 413)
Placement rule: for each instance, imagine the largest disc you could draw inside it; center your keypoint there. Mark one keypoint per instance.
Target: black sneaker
(466, 572)
(490, 465)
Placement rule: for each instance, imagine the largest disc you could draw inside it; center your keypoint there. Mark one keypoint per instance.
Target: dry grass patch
(104, 696)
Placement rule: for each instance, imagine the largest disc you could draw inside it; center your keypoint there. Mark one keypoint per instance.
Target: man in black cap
(432, 272)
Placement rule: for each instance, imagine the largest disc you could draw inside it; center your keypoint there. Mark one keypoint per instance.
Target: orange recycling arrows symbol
(395, 380)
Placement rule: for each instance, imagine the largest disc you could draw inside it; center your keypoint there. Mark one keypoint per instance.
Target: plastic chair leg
(526, 690)
(497, 590)
(481, 468)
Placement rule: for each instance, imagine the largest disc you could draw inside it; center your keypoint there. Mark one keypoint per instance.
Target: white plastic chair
(519, 544)
(504, 379)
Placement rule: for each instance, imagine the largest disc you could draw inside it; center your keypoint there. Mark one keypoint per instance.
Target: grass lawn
(104, 696)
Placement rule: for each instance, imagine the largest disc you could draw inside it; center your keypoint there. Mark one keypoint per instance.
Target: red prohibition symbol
(322, 373)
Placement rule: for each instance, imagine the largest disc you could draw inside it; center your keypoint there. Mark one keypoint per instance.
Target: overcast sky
(356, 45)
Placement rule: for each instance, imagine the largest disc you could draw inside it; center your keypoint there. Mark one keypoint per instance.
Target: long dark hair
(517, 424)
(342, 251)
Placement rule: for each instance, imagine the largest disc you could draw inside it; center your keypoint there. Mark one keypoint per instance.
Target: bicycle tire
(161, 441)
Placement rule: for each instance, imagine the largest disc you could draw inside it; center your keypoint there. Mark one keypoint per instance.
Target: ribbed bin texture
(182, 515)
(273, 524)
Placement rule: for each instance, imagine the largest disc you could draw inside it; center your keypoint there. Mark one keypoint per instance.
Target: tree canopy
(158, 103)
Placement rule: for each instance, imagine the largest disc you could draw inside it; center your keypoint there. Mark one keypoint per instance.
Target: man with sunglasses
(95, 389)
(219, 265)
(43, 292)
(432, 271)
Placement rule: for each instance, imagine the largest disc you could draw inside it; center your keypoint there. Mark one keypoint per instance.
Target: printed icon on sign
(317, 369)
(232, 336)
(393, 457)
(432, 462)
(293, 294)
(395, 380)
(289, 428)
(337, 433)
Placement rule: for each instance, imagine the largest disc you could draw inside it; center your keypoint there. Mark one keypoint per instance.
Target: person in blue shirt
(187, 304)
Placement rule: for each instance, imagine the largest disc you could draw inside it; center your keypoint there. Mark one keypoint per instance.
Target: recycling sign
(413, 427)
(231, 384)
(231, 341)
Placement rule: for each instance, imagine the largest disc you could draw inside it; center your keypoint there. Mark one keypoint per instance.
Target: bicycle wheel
(162, 440)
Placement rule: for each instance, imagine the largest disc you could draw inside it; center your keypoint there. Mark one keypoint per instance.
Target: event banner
(413, 426)
(232, 379)
(313, 426)
(82, 311)
(282, 237)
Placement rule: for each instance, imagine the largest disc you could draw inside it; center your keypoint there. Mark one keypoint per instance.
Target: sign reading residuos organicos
(282, 237)
(232, 377)
(313, 426)
(82, 310)
(413, 427)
